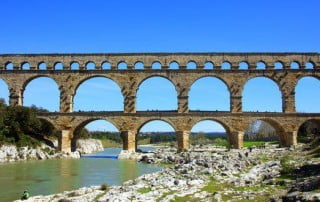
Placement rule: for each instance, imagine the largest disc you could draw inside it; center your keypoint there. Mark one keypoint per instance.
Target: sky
(97, 26)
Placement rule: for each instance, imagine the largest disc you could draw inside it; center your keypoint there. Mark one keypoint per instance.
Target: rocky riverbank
(11, 153)
(206, 174)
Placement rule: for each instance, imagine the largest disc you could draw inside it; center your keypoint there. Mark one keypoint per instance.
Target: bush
(104, 187)
(287, 165)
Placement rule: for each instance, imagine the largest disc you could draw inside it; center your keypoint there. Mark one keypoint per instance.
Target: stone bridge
(18, 70)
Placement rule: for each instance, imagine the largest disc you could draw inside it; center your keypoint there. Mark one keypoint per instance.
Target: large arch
(309, 131)
(156, 93)
(4, 91)
(43, 92)
(216, 91)
(94, 126)
(211, 131)
(98, 94)
(154, 128)
(307, 95)
(261, 94)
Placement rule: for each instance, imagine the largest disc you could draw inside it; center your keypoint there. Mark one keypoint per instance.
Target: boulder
(87, 146)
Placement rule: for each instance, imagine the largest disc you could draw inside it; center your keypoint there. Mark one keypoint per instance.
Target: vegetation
(144, 190)
(20, 126)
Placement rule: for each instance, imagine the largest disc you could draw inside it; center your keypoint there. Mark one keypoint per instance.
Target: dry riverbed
(211, 173)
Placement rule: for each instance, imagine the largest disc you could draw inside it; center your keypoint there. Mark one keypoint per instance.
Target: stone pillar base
(183, 140)
(129, 140)
(65, 141)
(236, 140)
(289, 139)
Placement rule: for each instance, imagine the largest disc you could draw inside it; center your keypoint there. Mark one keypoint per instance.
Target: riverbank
(205, 173)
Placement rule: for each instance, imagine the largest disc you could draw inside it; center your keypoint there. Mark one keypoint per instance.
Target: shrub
(104, 187)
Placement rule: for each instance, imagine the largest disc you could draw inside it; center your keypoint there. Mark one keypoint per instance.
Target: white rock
(87, 146)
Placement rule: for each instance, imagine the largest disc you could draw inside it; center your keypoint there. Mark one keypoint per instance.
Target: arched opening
(261, 65)
(156, 65)
(243, 65)
(156, 93)
(58, 66)
(99, 129)
(306, 95)
(278, 65)
(9, 66)
(294, 65)
(261, 132)
(156, 132)
(208, 65)
(25, 66)
(90, 66)
(209, 132)
(75, 66)
(4, 92)
(217, 95)
(191, 65)
(122, 66)
(98, 94)
(309, 132)
(261, 94)
(309, 65)
(42, 66)
(174, 65)
(42, 92)
(138, 65)
(106, 65)
(48, 133)
(226, 65)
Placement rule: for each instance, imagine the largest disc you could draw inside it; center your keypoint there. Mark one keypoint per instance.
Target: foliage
(287, 165)
(144, 190)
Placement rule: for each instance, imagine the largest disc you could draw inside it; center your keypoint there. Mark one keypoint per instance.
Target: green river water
(58, 175)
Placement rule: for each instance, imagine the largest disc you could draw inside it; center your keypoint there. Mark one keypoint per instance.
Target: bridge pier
(183, 140)
(65, 141)
(129, 140)
(236, 139)
(289, 139)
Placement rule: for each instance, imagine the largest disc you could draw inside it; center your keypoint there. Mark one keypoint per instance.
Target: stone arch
(208, 65)
(243, 65)
(25, 65)
(157, 76)
(223, 124)
(8, 65)
(76, 89)
(269, 79)
(174, 63)
(144, 122)
(90, 65)
(192, 64)
(58, 63)
(225, 84)
(4, 89)
(31, 79)
(42, 65)
(303, 127)
(139, 65)
(280, 131)
(155, 63)
(74, 65)
(295, 64)
(304, 93)
(226, 65)
(279, 64)
(261, 65)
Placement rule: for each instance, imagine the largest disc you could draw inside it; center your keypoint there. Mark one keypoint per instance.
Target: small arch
(74, 66)
(208, 65)
(139, 65)
(261, 65)
(226, 65)
(9, 66)
(25, 66)
(191, 65)
(106, 65)
(90, 65)
(278, 65)
(58, 66)
(243, 65)
(122, 65)
(294, 65)
(261, 94)
(42, 66)
(309, 131)
(4, 91)
(309, 65)
(211, 131)
(174, 65)
(306, 98)
(156, 93)
(156, 65)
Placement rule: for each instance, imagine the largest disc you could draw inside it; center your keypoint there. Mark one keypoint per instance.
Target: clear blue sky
(75, 26)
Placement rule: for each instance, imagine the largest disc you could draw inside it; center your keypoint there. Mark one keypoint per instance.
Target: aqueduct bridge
(129, 121)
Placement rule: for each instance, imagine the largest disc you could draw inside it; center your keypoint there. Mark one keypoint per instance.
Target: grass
(144, 190)
(165, 195)
(257, 143)
(109, 143)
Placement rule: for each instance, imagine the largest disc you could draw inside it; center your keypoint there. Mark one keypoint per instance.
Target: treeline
(20, 126)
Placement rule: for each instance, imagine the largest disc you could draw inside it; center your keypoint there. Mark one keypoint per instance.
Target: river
(58, 175)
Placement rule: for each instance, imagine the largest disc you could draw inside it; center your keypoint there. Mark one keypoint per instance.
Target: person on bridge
(25, 195)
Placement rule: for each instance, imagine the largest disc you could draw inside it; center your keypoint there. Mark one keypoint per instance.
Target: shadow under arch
(271, 81)
(280, 132)
(220, 80)
(155, 76)
(49, 132)
(308, 131)
(35, 78)
(77, 130)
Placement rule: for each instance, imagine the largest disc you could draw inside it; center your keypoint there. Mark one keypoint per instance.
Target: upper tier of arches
(171, 61)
